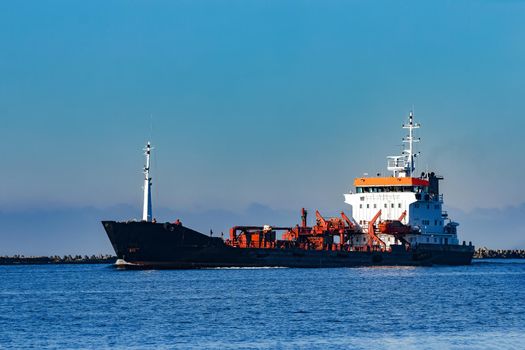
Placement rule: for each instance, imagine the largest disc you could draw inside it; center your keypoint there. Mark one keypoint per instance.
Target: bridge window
(386, 205)
(392, 205)
(399, 205)
(367, 206)
(375, 206)
(360, 206)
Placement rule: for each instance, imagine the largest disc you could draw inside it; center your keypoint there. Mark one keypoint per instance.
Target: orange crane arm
(371, 230)
(348, 221)
(403, 215)
(320, 218)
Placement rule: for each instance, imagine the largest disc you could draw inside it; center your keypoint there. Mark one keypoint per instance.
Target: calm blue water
(94, 306)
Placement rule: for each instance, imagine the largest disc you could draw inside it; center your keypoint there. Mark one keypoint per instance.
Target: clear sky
(278, 103)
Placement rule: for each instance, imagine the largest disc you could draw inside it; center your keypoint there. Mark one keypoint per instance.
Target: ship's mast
(146, 212)
(410, 139)
(404, 165)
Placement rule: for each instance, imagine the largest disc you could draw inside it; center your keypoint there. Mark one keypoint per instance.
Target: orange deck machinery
(334, 233)
(396, 228)
(327, 234)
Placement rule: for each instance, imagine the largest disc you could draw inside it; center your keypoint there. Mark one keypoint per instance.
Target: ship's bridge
(414, 201)
(390, 184)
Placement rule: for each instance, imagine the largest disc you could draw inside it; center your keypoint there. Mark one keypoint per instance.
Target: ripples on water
(94, 306)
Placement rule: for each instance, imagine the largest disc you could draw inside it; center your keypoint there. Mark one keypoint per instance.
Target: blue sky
(273, 103)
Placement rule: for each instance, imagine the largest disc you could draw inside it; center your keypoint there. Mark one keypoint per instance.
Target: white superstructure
(412, 203)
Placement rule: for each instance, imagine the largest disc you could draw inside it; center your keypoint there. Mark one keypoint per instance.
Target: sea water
(481, 306)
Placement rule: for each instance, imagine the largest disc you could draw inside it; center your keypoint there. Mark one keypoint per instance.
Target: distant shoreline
(480, 253)
(57, 260)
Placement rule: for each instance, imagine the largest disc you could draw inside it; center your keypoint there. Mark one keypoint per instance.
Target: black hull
(168, 246)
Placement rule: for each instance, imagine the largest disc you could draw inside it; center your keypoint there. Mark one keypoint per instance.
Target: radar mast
(146, 212)
(404, 165)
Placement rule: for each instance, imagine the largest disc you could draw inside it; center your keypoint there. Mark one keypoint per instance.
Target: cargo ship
(395, 220)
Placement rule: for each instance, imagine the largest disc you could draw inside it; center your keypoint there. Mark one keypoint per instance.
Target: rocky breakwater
(66, 259)
(485, 253)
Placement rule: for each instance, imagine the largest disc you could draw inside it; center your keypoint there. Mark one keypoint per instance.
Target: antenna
(151, 126)
(155, 157)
